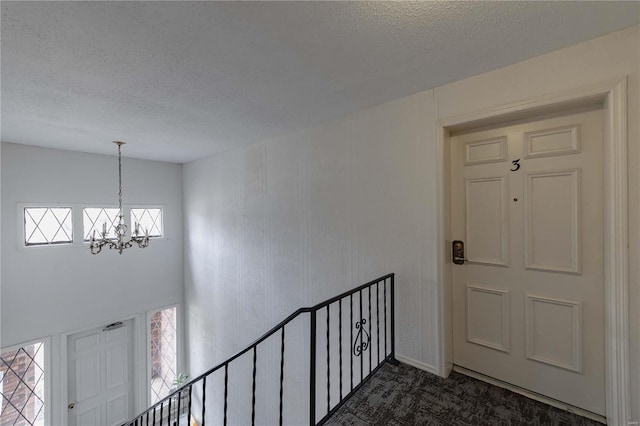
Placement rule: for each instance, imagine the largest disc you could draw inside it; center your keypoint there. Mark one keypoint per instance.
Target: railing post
(393, 359)
(312, 370)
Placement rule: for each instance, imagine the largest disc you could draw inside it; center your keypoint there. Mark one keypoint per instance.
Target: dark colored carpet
(404, 395)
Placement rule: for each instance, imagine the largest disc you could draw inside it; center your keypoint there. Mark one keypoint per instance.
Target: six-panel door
(528, 302)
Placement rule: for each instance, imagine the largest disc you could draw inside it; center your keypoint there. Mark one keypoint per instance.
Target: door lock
(457, 252)
(71, 406)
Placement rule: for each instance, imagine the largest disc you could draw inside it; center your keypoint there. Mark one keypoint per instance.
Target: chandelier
(120, 230)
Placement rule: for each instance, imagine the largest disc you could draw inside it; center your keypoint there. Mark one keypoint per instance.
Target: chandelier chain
(120, 179)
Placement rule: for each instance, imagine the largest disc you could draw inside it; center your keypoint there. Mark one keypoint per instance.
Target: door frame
(612, 95)
(139, 359)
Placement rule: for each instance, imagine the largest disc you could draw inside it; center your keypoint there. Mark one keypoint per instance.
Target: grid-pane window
(99, 220)
(22, 383)
(164, 348)
(47, 225)
(148, 220)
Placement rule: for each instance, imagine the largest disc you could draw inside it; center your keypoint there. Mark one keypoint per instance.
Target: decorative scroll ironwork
(358, 349)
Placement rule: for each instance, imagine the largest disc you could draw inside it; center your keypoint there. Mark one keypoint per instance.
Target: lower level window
(164, 353)
(22, 385)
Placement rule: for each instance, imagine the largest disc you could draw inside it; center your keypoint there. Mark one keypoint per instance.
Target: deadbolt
(71, 406)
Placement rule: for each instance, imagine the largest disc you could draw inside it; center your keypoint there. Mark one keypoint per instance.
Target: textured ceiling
(183, 80)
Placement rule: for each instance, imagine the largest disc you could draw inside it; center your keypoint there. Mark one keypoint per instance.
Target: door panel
(491, 331)
(552, 221)
(100, 368)
(89, 417)
(487, 225)
(528, 303)
(87, 376)
(551, 142)
(485, 151)
(117, 410)
(563, 347)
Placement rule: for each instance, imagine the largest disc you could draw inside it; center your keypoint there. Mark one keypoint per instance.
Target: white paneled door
(528, 309)
(100, 368)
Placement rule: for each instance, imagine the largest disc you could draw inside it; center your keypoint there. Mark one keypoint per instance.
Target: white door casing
(612, 95)
(101, 375)
(527, 202)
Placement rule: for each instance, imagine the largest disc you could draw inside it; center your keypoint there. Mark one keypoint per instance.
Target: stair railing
(365, 305)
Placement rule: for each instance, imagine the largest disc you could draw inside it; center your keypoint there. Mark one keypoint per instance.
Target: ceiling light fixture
(120, 230)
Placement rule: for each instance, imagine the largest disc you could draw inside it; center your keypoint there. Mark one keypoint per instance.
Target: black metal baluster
(178, 408)
(204, 396)
(351, 338)
(361, 336)
(385, 318)
(226, 392)
(253, 389)
(378, 321)
(312, 370)
(328, 361)
(340, 341)
(161, 411)
(168, 413)
(281, 373)
(393, 321)
(369, 329)
(154, 416)
(189, 409)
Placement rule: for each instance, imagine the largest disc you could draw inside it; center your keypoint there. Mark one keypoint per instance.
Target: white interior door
(100, 382)
(528, 302)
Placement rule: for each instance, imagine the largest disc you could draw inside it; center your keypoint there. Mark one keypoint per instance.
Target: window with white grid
(163, 353)
(22, 385)
(148, 220)
(98, 220)
(47, 225)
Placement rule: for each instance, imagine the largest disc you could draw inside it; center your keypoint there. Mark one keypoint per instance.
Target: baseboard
(531, 395)
(417, 364)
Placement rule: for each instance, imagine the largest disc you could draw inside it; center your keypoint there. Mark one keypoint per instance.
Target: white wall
(50, 290)
(296, 220)
(291, 221)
